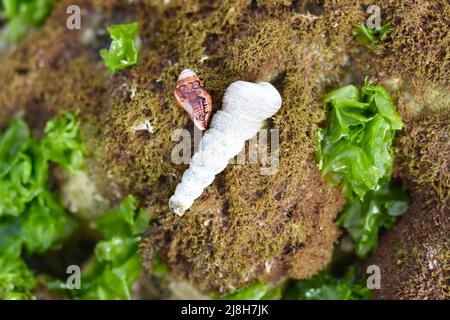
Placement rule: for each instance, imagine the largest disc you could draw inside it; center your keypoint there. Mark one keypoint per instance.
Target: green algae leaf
(119, 221)
(24, 161)
(10, 238)
(380, 98)
(45, 224)
(355, 151)
(140, 224)
(116, 250)
(159, 268)
(364, 218)
(123, 51)
(31, 217)
(116, 263)
(324, 286)
(346, 92)
(22, 15)
(62, 143)
(350, 163)
(376, 143)
(110, 281)
(12, 141)
(16, 279)
(273, 294)
(23, 169)
(372, 38)
(33, 11)
(124, 221)
(258, 291)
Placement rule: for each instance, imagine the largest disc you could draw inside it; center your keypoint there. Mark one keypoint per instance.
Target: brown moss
(420, 38)
(256, 54)
(424, 269)
(50, 70)
(424, 161)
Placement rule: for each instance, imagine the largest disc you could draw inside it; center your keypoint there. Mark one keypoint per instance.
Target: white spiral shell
(245, 106)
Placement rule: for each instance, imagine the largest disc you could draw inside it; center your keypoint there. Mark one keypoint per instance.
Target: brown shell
(193, 98)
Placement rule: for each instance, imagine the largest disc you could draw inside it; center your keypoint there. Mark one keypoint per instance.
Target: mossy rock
(417, 48)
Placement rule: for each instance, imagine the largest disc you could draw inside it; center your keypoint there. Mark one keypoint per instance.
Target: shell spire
(245, 107)
(193, 98)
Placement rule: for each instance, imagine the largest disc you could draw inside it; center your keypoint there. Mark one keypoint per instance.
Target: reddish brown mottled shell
(192, 97)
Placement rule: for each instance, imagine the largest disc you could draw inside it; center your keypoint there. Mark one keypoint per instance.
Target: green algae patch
(63, 144)
(364, 218)
(355, 151)
(123, 51)
(372, 38)
(116, 265)
(21, 16)
(32, 218)
(17, 281)
(257, 291)
(325, 286)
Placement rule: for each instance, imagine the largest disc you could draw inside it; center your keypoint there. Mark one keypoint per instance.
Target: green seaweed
(62, 143)
(22, 15)
(363, 218)
(325, 286)
(372, 38)
(116, 265)
(16, 280)
(32, 217)
(355, 151)
(123, 51)
(257, 291)
(23, 169)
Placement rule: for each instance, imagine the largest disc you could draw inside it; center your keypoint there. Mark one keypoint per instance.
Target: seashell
(246, 106)
(193, 98)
